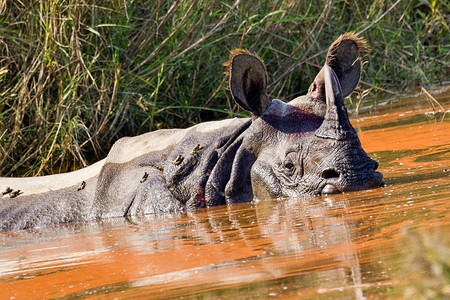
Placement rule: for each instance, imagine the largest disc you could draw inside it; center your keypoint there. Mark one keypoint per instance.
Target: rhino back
(44, 184)
(163, 170)
(64, 205)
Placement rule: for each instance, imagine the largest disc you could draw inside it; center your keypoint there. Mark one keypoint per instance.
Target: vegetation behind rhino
(304, 147)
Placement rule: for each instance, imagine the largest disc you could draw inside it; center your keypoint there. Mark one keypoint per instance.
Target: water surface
(390, 242)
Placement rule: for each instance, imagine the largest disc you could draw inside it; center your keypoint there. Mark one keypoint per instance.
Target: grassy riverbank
(76, 76)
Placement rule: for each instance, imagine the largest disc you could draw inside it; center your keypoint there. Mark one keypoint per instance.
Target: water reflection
(346, 246)
(340, 246)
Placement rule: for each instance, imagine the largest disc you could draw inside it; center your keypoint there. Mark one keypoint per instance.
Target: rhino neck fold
(221, 170)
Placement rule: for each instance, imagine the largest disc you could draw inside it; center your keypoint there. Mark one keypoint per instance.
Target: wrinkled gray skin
(304, 147)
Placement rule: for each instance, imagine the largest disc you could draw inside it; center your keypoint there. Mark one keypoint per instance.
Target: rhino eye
(289, 166)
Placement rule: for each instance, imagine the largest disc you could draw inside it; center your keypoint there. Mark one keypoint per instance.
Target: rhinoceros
(306, 147)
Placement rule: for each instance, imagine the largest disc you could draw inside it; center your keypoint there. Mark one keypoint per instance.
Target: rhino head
(307, 146)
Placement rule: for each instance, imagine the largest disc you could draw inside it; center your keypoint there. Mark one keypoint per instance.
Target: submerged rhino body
(303, 147)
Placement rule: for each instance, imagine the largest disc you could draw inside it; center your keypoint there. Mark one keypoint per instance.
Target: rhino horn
(336, 124)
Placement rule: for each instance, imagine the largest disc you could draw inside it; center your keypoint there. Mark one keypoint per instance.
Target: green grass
(77, 75)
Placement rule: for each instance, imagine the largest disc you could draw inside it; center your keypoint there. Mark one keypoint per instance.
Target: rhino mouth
(330, 189)
(335, 188)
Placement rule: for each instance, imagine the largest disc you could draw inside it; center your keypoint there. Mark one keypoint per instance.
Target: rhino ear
(248, 81)
(345, 58)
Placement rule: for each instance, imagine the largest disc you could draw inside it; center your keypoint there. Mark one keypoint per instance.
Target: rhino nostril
(330, 173)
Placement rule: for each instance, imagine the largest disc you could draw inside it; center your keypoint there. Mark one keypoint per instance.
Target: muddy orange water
(391, 242)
